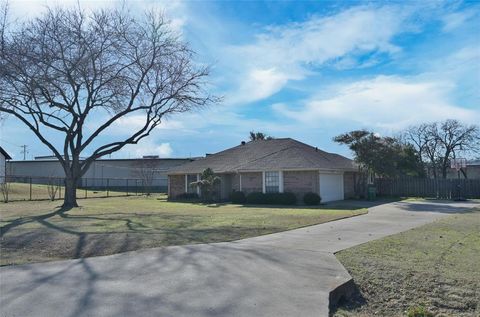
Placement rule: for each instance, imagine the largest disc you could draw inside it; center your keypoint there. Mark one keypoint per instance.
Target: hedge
(187, 196)
(271, 198)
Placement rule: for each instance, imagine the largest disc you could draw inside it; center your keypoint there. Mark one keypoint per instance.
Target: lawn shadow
(440, 206)
(350, 301)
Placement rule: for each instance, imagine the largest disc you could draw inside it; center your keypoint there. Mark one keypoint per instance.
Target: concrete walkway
(284, 274)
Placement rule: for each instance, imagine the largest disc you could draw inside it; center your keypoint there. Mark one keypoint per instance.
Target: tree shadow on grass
(60, 211)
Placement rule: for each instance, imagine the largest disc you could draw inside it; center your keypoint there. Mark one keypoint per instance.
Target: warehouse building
(103, 172)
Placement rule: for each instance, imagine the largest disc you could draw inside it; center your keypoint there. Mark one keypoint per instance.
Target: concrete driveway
(283, 274)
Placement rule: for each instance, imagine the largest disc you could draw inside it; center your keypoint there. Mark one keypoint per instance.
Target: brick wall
(301, 182)
(176, 185)
(251, 182)
(236, 182)
(349, 185)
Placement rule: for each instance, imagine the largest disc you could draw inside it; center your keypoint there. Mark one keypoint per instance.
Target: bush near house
(187, 196)
(238, 197)
(271, 198)
(311, 199)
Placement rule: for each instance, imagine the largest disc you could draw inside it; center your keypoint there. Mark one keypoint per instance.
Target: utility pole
(24, 151)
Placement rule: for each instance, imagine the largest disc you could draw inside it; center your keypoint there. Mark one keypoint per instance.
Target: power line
(24, 151)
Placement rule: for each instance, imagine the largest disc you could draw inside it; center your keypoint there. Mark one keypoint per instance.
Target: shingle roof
(5, 153)
(267, 155)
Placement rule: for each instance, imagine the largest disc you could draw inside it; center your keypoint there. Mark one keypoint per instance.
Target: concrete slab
(284, 274)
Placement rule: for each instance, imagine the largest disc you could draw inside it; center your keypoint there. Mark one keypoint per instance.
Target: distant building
(3, 164)
(472, 171)
(117, 171)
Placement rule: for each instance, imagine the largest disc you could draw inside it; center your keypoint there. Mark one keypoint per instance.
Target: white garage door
(331, 187)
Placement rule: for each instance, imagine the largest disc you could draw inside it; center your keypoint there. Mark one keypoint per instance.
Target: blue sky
(307, 70)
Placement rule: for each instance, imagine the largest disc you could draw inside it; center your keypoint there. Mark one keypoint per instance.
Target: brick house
(277, 165)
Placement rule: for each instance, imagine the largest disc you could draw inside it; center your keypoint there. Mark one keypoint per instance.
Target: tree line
(424, 150)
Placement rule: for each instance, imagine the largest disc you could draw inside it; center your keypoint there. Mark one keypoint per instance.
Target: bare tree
(74, 74)
(438, 143)
(147, 170)
(52, 187)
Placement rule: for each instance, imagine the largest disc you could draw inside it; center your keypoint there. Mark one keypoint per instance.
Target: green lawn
(40, 231)
(436, 266)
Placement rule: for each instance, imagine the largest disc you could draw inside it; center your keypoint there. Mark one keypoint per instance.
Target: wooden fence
(429, 188)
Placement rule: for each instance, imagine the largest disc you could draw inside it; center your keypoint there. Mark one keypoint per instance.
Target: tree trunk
(70, 199)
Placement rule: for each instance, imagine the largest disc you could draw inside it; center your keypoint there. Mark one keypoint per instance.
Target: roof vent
(243, 142)
(316, 149)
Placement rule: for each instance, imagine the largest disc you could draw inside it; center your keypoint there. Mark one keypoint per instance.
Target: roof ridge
(260, 158)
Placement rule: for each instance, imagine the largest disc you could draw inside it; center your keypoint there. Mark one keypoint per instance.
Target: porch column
(198, 187)
(186, 184)
(280, 181)
(263, 182)
(240, 181)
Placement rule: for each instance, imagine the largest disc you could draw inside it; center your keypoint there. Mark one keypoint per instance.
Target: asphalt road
(284, 274)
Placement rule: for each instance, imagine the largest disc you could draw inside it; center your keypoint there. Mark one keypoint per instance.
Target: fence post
(59, 188)
(136, 187)
(108, 186)
(30, 188)
(127, 185)
(86, 183)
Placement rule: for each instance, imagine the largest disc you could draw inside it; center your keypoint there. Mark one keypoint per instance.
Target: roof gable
(8, 157)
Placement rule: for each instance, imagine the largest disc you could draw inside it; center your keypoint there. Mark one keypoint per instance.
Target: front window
(190, 179)
(272, 182)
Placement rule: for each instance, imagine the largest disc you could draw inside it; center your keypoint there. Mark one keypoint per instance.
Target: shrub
(418, 311)
(311, 199)
(238, 197)
(256, 198)
(187, 196)
(281, 198)
(272, 198)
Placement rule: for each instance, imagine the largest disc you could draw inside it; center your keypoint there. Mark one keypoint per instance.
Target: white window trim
(280, 181)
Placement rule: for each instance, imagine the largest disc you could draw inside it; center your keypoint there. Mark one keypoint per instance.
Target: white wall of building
(117, 170)
(2, 168)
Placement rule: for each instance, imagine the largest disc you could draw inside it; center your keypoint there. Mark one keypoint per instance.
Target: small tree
(147, 170)
(5, 189)
(52, 187)
(259, 136)
(207, 183)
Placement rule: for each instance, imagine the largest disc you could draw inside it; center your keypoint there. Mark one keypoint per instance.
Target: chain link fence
(21, 188)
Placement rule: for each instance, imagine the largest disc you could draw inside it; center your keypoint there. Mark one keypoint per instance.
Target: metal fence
(18, 188)
(429, 188)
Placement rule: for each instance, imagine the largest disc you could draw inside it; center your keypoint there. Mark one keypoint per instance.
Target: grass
(21, 191)
(41, 231)
(436, 266)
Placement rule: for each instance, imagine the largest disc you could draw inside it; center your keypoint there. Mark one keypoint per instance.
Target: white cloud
(291, 51)
(388, 102)
(456, 19)
(148, 147)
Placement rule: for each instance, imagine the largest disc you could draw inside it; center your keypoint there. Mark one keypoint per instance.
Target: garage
(331, 187)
